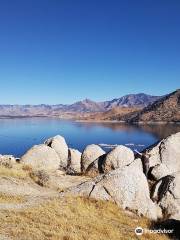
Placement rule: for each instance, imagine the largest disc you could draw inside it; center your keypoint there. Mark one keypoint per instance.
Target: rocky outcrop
(41, 157)
(89, 155)
(166, 152)
(115, 176)
(74, 161)
(58, 143)
(126, 187)
(167, 195)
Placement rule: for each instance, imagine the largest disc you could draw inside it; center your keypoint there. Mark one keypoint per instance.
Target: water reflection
(159, 131)
(18, 135)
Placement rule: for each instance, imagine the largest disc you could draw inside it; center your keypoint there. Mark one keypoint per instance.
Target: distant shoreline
(92, 121)
(12, 117)
(133, 123)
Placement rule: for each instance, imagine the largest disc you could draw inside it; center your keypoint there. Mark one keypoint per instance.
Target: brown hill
(115, 113)
(166, 109)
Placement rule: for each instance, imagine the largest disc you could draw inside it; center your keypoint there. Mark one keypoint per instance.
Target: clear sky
(61, 51)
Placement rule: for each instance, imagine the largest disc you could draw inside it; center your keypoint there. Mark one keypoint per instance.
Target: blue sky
(61, 51)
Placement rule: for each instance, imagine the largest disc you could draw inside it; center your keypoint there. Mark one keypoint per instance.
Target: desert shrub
(27, 168)
(40, 177)
(6, 162)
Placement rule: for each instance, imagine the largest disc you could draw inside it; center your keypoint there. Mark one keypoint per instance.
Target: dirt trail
(32, 193)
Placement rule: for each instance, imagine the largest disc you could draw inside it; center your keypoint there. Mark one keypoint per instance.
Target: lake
(19, 134)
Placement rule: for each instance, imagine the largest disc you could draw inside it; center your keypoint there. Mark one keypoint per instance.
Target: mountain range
(139, 100)
(132, 108)
(164, 109)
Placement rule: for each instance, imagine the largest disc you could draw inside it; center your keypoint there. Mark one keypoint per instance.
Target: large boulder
(74, 161)
(89, 155)
(126, 187)
(166, 193)
(58, 143)
(119, 157)
(166, 152)
(41, 157)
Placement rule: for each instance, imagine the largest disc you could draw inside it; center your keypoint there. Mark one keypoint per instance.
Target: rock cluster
(51, 155)
(127, 187)
(119, 157)
(117, 175)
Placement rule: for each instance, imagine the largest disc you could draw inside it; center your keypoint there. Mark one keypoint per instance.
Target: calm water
(18, 135)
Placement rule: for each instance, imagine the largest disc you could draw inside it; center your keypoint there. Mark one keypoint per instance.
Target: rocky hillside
(116, 113)
(85, 106)
(132, 100)
(31, 110)
(166, 109)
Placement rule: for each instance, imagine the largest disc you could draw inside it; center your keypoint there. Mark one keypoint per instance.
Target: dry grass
(73, 219)
(22, 171)
(27, 167)
(67, 219)
(16, 172)
(5, 198)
